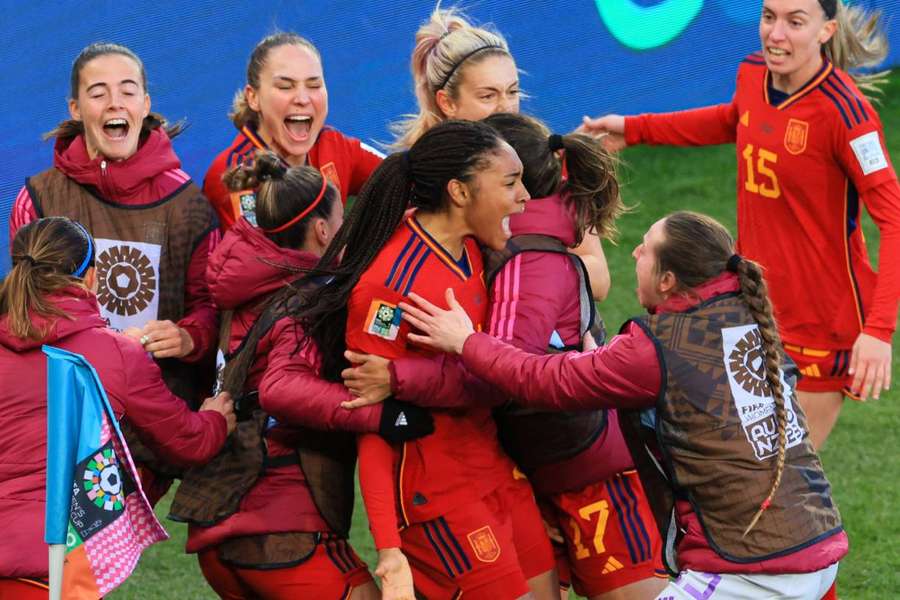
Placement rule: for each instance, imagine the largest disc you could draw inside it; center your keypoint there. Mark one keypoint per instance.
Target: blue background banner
(577, 57)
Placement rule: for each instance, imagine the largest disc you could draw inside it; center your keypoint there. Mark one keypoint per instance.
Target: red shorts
(822, 370)
(611, 538)
(476, 549)
(331, 572)
(23, 589)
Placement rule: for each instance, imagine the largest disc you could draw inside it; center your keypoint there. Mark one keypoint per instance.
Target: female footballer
(810, 154)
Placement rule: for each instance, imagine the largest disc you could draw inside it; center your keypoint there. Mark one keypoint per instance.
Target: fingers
(420, 340)
(356, 358)
(415, 318)
(451, 300)
(358, 402)
(424, 304)
(855, 370)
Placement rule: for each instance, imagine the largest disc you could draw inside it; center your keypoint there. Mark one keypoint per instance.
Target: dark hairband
(277, 171)
(555, 142)
(26, 257)
(464, 59)
(830, 7)
(733, 262)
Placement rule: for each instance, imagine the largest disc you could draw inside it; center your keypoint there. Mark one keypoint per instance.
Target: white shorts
(694, 585)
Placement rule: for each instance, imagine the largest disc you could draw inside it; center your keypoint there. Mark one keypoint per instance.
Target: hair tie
(26, 257)
(406, 162)
(555, 142)
(274, 171)
(464, 59)
(733, 262)
(305, 211)
(89, 255)
(830, 7)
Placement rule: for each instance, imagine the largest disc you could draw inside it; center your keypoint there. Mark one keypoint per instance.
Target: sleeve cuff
(883, 334)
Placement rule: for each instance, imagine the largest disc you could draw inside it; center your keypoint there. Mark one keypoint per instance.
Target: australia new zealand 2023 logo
(126, 280)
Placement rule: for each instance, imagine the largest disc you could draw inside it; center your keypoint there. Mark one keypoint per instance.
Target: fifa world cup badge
(383, 320)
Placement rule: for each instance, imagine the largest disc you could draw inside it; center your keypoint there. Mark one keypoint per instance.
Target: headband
(89, 255)
(305, 211)
(733, 262)
(465, 58)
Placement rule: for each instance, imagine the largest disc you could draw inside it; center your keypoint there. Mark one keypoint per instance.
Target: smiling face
(493, 194)
(792, 33)
(292, 101)
(488, 86)
(111, 104)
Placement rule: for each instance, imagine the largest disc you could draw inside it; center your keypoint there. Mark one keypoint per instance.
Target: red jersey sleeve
(22, 213)
(862, 152)
(218, 195)
(365, 160)
(705, 126)
(376, 483)
(622, 374)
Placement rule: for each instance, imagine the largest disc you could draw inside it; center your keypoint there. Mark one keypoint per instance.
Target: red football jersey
(345, 161)
(804, 163)
(461, 461)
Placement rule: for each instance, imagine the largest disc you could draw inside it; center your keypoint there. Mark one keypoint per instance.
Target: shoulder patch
(869, 152)
(383, 320)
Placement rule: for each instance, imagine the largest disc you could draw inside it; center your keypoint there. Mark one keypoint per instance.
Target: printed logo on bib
(869, 153)
(383, 320)
(745, 365)
(128, 282)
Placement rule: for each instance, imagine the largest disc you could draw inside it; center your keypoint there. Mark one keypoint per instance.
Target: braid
(753, 290)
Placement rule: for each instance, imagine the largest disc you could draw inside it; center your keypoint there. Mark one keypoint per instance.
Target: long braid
(754, 292)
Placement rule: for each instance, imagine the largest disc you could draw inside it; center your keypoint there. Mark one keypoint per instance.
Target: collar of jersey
(463, 272)
(809, 86)
(250, 133)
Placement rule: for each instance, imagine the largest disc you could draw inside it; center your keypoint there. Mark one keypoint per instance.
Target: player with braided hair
(810, 154)
(706, 408)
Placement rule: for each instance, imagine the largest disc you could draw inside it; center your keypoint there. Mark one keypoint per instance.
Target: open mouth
(298, 126)
(776, 52)
(116, 129)
(504, 224)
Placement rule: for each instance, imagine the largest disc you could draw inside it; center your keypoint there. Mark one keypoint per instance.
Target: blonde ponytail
(858, 43)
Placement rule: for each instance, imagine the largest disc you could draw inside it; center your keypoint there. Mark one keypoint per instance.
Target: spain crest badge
(484, 544)
(795, 136)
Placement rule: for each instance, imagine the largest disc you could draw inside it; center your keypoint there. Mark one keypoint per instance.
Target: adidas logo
(401, 420)
(611, 565)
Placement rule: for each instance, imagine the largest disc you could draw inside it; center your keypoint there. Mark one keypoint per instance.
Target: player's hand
(588, 343)
(870, 365)
(165, 339)
(396, 576)
(369, 379)
(553, 533)
(224, 405)
(609, 129)
(444, 330)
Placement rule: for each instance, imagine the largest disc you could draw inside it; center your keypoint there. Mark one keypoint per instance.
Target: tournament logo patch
(795, 136)
(128, 282)
(484, 544)
(98, 495)
(329, 171)
(383, 320)
(745, 365)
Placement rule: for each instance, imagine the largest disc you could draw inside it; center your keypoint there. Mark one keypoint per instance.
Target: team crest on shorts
(795, 136)
(383, 320)
(484, 544)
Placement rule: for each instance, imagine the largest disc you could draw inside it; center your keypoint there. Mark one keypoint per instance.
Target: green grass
(861, 458)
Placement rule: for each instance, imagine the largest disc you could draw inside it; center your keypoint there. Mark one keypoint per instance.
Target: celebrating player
(114, 170)
(737, 490)
(282, 108)
(284, 534)
(462, 71)
(810, 153)
(48, 297)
